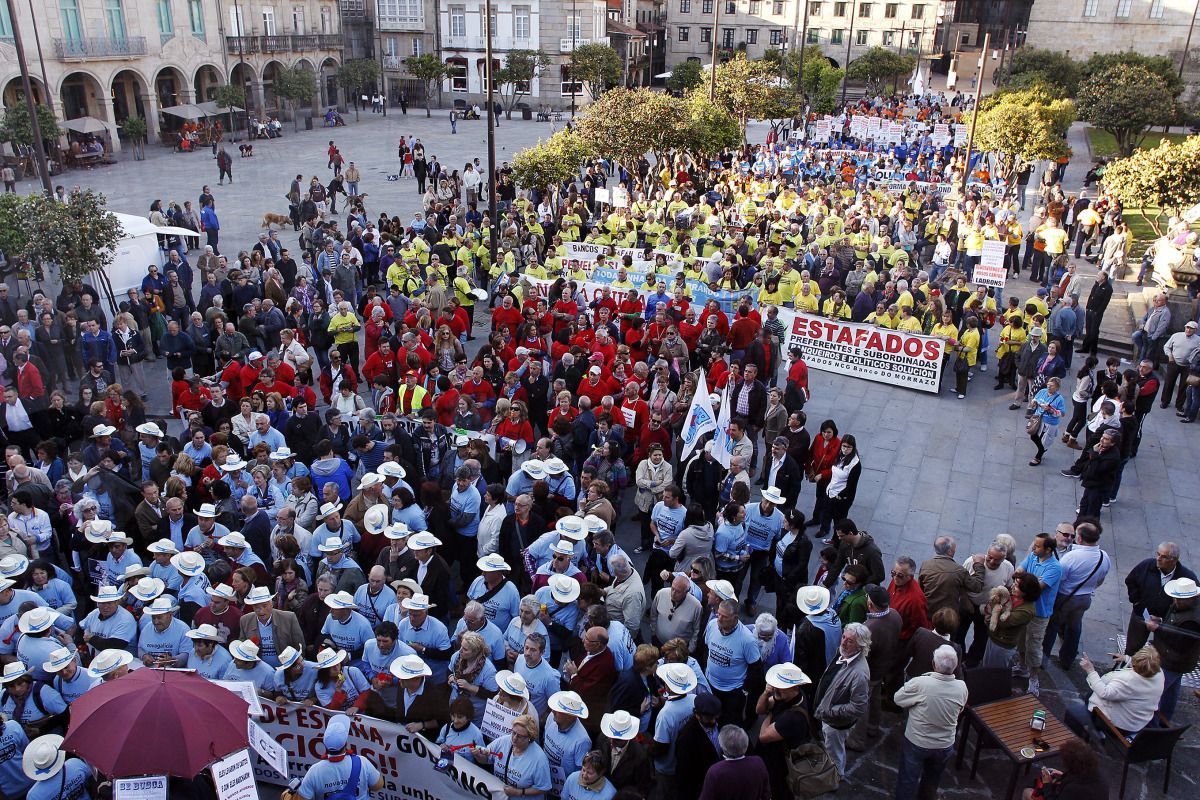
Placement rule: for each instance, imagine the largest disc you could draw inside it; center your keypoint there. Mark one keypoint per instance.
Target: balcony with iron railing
(100, 47)
(287, 43)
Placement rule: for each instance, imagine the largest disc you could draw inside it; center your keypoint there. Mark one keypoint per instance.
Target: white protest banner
(406, 760)
(244, 690)
(150, 788)
(620, 197)
(898, 358)
(941, 134)
(858, 126)
(895, 131)
(270, 750)
(990, 270)
(601, 195)
(234, 777)
(497, 720)
(960, 135)
(699, 419)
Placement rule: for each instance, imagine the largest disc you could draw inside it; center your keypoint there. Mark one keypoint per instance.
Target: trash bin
(526, 113)
(308, 123)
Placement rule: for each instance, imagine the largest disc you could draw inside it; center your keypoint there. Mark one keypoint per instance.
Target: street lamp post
(574, 39)
(974, 113)
(494, 200)
(39, 148)
(803, 41)
(849, 44)
(716, 32)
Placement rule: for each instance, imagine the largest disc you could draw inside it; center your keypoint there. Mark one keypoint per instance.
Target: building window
(756, 7)
(777, 8)
(889, 38)
(397, 12)
(1123, 7)
(890, 10)
(814, 36)
(196, 17)
(417, 47)
(837, 36)
(864, 10)
(326, 19)
(682, 33)
(685, 6)
(1089, 8)
(268, 21)
(72, 28)
(860, 37)
(114, 19)
(776, 37)
(839, 9)
(1156, 9)
(575, 25)
(569, 87)
(918, 11)
(298, 19)
(492, 27)
(458, 74)
(706, 36)
(706, 6)
(914, 40)
(458, 23)
(814, 9)
(727, 37)
(166, 26)
(752, 36)
(731, 7)
(521, 22)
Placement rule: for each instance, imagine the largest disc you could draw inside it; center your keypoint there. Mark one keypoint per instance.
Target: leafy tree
(627, 123)
(355, 75)
(746, 89)
(134, 129)
(1161, 66)
(1163, 180)
(430, 71)
(13, 239)
(1125, 100)
(549, 164)
(294, 85)
(685, 76)
(879, 65)
(596, 65)
(79, 235)
(227, 96)
(1023, 129)
(710, 128)
(15, 126)
(515, 79)
(821, 82)
(1029, 64)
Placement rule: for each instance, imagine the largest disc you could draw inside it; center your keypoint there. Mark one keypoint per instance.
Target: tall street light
(574, 39)
(494, 200)
(39, 148)
(716, 31)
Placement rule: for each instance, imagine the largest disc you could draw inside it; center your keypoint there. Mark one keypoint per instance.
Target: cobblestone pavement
(931, 464)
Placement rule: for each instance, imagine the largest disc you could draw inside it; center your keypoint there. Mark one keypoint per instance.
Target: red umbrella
(156, 722)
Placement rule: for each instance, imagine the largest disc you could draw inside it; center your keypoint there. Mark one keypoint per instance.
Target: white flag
(700, 418)
(722, 442)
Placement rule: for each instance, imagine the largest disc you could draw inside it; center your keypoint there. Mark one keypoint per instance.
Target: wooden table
(1005, 723)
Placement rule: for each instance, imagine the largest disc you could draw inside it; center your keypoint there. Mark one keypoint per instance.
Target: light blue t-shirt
(502, 607)
(470, 735)
(542, 681)
(116, 566)
(192, 591)
(79, 684)
(729, 544)
(172, 641)
(373, 608)
(355, 684)
(20, 596)
(528, 770)
(669, 522)
(515, 634)
(573, 789)
(57, 593)
(621, 643)
(378, 661)
(52, 702)
(1048, 572)
(671, 718)
(261, 675)
(468, 503)
(121, 625)
(539, 551)
(300, 689)
(35, 651)
(168, 575)
(214, 667)
(729, 655)
(13, 742)
(72, 787)
(762, 530)
(490, 633)
(432, 634)
(564, 750)
(327, 777)
(347, 533)
(564, 615)
(350, 635)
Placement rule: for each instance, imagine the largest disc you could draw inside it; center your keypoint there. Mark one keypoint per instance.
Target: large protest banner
(406, 760)
(698, 293)
(897, 358)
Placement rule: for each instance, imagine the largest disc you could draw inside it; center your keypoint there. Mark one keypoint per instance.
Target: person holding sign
(341, 774)
(518, 760)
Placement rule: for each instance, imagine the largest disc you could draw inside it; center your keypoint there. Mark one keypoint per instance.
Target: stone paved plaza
(931, 464)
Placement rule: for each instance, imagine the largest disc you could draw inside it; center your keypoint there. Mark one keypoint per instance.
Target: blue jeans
(1141, 344)
(1067, 618)
(1192, 407)
(1172, 682)
(920, 771)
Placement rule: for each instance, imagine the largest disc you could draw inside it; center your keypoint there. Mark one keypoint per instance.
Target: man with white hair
(843, 692)
(934, 702)
(625, 599)
(263, 432)
(773, 645)
(737, 776)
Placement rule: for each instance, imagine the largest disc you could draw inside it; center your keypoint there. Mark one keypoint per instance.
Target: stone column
(150, 103)
(108, 114)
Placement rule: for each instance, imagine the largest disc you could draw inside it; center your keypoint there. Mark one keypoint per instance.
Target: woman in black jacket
(789, 562)
(843, 482)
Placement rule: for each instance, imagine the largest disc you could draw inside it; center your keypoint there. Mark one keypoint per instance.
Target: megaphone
(517, 446)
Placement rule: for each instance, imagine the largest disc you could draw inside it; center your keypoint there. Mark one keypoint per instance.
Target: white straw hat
(44, 757)
(569, 703)
(563, 589)
(188, 563)
(512, 683)
(811, 599)
(243, 650)
(787, 676)
(619, 725)
(678, 678)
(408, 667)
(107, 661)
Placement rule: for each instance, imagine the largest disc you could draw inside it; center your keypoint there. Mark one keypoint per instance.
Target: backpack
(810, 771)
(350, 790)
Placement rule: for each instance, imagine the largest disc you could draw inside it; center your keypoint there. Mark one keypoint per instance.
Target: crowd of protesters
(351, 505)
